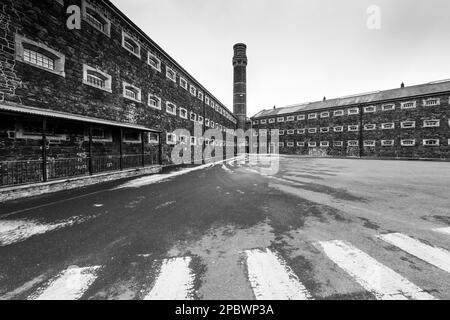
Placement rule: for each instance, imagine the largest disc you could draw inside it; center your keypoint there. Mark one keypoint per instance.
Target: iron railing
(32, 171)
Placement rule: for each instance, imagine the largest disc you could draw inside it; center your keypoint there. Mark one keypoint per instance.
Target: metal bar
(121, 148)
(143, 148)
(203, 130)
(160, 149)
(44, 150)
(90, 151)
(361, 151)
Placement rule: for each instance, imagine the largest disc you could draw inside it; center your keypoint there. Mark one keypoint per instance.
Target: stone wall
(418, 114)
(44, 22)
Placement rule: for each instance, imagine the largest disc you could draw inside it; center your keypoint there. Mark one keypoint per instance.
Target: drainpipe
(361, 142)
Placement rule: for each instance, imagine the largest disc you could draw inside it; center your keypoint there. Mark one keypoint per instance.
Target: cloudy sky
(300, 50)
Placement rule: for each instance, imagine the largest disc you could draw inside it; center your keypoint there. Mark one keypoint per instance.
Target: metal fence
(30, 171)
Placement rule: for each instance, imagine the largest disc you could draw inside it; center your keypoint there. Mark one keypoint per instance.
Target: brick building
(102, 97)
(408, 122)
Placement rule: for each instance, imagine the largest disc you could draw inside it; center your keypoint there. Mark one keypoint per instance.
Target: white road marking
(436, 256)
(13, 231)
(174, 282)
(378, 279)
(71, 284)
(272, 279)
(443, 230)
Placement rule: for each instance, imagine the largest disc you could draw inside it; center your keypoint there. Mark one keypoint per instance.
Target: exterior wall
(44, 22)
(240, 84)
(418, 114)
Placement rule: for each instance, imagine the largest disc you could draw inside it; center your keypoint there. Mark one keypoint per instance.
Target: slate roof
(363, 98)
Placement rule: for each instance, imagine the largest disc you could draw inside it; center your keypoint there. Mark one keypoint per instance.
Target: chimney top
(274, 107)
(402, 85)
(324, 98)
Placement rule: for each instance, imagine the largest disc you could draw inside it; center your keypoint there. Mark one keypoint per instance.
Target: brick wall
(45, 22)
(397, 116)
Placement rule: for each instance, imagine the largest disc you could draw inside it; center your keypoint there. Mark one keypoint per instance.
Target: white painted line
(272, 279)
(71, 284)
(174, 282)
(436, 256)
(443, 230)
(378, 279)
(13, 231)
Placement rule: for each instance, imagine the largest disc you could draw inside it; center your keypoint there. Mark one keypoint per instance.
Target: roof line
(359, 95)
(162, 51)
(14, 107)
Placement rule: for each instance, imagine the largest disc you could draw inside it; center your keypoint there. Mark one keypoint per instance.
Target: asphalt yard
(315, 229)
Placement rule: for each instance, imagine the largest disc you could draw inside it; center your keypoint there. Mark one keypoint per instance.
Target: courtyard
(317, 229)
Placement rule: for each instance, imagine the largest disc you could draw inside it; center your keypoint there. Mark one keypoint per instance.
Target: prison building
(404, 123)
(99, 98)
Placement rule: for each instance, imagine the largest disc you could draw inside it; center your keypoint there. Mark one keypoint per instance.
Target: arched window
(37, 58)
(39, 55)
(96, 19)
(130, 44)
(131, 92)
(96, 78)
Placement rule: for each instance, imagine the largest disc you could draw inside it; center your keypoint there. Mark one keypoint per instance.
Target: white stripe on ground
(436, 256)
(272, 279)
(174, 282)
(13, 231)
(71, 284)
(156, 178)
(443, 230)
(378, 279)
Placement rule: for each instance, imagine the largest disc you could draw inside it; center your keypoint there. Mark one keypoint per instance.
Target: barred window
(130, 44)
(154, 101)
(131, 92)
(38, 59)
(171, 74)
(96, 78)
(183, 113)
(370, 126)
(154, 61)
(431, 142)
(431, 102)
(408, 142)
(96, 19)
(431, 123)
(369, 143)
(408, 124)
(408, 105)
(171, 108)
(387, 143)
(388, 107)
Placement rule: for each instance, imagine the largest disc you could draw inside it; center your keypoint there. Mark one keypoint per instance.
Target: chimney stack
(240, 84)
(402, 85)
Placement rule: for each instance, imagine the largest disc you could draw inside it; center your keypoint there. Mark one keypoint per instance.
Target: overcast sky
(300, 50)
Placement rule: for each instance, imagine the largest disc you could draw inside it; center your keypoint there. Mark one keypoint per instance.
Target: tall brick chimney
(240, 84)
